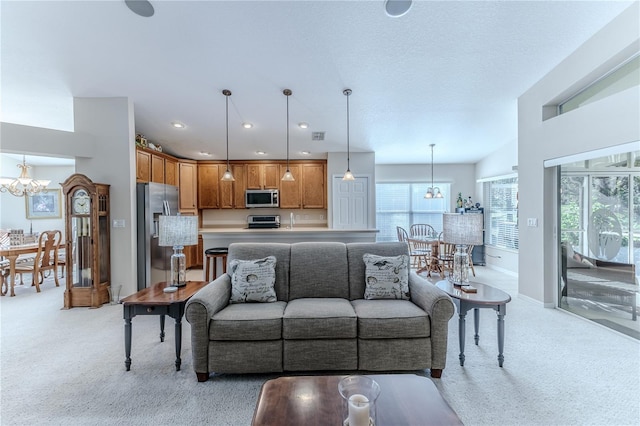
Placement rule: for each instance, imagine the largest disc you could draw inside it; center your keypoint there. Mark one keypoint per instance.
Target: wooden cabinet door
(271, 176)
(232, 193)
(170, 172)
(314, 186)
(187, 181)
(143, 166)
(209, 185)
(291, 192)
(263, 176)
(157, 169)
(200, 252)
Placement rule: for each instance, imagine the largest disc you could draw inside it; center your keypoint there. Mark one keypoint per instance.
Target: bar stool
(212, 256)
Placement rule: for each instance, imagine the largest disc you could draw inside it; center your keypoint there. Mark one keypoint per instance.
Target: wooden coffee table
(486, 297)
(154, 301)
(405, 399)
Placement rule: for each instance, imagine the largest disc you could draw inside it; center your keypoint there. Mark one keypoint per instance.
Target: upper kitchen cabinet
(171, 172)
(155, 167)
(232, 193)
(291, 192)
(314, 186)
(263, 176)
(187, 182)
(143, 166)
(209, 185)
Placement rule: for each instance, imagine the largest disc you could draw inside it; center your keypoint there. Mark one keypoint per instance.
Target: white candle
(358, 410)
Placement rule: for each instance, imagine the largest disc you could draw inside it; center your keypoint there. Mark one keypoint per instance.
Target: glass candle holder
(359, 395)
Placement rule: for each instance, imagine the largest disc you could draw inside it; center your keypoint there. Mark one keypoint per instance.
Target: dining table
(12, 253)
(430, 243)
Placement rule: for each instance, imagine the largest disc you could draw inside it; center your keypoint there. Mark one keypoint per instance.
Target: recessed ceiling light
(261, 153)
(303, 125)
(397, 8)
(305, 152)
(247, 125)
(208, 154)
(178, 125)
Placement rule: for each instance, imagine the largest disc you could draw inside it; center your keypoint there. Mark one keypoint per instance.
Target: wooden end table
(154, 301)
(486, 297)
(405, 399)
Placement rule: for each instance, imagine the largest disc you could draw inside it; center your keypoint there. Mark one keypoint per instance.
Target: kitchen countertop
(283, 229)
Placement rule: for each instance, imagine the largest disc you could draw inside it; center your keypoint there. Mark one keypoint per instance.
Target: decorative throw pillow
(253, 280)
(386, 277)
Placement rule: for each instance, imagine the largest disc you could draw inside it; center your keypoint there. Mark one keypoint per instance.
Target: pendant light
(432, 191)
(348, 175)
(287, 174)
(227, 176)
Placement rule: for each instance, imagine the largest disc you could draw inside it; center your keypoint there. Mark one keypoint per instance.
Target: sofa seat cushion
(319, 318)
(248, 321)
(390, 319)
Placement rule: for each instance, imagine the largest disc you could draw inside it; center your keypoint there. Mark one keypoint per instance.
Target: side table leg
(476, 324)
(501, 313)
(127, 343)
(162, 328)
(178, 341)
(461, 332)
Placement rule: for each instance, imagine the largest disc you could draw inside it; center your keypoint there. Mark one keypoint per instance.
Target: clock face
(81, 202)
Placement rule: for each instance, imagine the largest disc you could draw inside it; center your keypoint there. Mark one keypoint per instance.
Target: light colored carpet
(66, 367)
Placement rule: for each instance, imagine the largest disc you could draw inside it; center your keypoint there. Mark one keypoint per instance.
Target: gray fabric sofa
(320, 320)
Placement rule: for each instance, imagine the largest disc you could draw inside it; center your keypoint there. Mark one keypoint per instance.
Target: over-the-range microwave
(261, 198)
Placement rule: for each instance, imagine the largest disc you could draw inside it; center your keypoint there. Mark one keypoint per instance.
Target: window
(402, 204)
(501, 213)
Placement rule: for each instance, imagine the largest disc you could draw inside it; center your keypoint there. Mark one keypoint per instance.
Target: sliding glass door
(599, 231)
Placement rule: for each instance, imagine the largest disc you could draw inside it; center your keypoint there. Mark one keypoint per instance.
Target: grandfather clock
(87, 242)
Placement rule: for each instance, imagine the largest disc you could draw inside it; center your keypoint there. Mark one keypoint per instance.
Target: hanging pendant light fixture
(348, 175)
(23, 185)
(432, 191)
(227, 176)
(287, 176)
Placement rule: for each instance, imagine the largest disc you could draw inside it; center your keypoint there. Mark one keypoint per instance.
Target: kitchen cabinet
(209, 185)
(171, 172)
(187, 181)
(143, 166)
(314, 186)
(157, 169)
(263, 176)
(232, 193)
(291, 192)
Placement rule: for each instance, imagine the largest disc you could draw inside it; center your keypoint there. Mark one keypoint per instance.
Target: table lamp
(177, 232)
(462, 230)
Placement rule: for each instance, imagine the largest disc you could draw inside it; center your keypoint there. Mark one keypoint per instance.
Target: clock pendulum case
(87, 248)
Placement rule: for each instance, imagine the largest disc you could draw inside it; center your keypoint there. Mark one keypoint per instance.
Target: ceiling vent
(317, 136)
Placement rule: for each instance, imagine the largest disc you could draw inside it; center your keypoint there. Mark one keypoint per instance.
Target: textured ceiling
(447, 72)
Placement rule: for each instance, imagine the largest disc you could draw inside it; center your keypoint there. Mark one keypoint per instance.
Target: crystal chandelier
(23, 185)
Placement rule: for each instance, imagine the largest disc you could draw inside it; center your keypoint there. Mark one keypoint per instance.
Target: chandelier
(432, 191)
(23, 185)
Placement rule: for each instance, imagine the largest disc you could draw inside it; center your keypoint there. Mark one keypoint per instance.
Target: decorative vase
(359, 394)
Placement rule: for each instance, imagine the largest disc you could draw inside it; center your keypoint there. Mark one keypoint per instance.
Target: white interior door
(350, 203)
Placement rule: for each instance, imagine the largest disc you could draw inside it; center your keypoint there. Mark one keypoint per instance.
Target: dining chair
(422, 230)
(46, 259)
(445, 256)
(469, 250)
(419, 256)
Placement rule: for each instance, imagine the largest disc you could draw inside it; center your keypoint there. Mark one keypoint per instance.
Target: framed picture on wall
(44, 205)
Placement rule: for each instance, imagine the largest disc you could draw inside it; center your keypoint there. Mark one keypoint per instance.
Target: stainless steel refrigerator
(153, 201)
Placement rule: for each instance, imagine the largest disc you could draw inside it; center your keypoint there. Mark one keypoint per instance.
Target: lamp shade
(178, 231)
(462, 228)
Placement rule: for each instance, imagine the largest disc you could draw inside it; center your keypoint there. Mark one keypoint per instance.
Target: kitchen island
(222, 237)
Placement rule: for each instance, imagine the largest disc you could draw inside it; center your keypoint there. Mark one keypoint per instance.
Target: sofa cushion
(253, 280)
(390, 319)
(355, 251)
(319, 318)
(248, 321)
(387, 277)
(281, 251)
(318, 269)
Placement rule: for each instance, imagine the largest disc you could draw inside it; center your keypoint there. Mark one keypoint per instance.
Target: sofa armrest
(438, 305)
(199, 311)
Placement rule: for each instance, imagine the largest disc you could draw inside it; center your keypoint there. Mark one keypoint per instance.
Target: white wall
(606, 122)
(13, 209)
(104, 148)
